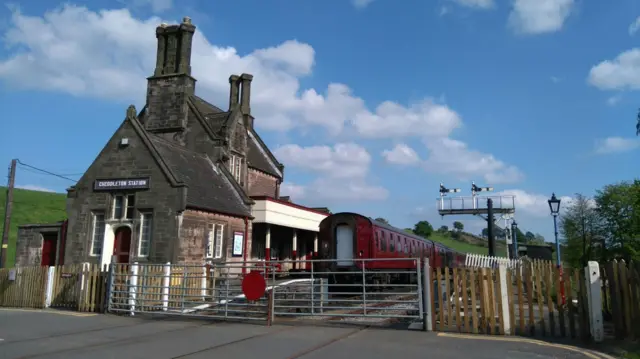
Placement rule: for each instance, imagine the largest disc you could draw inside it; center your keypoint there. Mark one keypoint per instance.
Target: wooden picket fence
(621, 298)
(80, 287)
(527, 301)
(23, 287)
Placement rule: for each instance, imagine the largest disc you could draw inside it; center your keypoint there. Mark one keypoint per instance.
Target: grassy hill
(468, 243)
(30, 207)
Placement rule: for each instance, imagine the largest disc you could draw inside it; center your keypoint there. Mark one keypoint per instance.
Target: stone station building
(180, 181)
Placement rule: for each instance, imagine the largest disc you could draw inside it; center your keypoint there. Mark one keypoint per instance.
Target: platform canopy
(286, 214)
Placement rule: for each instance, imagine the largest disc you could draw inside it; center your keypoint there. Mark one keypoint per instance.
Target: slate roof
(209, 186)
(257, 157)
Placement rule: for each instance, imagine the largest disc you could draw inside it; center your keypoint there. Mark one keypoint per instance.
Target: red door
(122, 244)
(49, 244)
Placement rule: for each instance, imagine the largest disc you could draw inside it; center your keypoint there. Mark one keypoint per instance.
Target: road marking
(60, 312)
(588, 353)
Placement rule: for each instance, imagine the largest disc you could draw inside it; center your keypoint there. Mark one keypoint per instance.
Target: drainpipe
(244, 245)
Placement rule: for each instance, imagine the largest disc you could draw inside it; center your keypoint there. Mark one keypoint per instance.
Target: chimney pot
(163, 25)
(186, 20)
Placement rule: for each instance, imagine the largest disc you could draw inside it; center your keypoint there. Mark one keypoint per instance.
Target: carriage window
(392, 246)
(399, 244)
(406, 246)
(377, 241)
(383, 243)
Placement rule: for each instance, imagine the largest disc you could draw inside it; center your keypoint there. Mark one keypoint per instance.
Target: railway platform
(46, 334)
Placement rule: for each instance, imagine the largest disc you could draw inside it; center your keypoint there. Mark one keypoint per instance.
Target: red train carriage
(346, 237)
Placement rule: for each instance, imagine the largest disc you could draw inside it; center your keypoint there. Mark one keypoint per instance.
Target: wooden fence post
(505, 299)
(593, 287)
(166, 282)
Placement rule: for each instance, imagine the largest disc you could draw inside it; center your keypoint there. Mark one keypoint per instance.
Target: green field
(30, 207)
(465, 247)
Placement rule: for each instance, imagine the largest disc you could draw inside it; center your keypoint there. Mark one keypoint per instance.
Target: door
(122, 244)
(49, 246)
(344, 245)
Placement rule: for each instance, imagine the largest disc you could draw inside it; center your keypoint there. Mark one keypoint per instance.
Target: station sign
(121, 184)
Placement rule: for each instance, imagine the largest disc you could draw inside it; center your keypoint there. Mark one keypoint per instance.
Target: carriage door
(344, 245)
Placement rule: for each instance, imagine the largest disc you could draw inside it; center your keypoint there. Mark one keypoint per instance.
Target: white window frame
(215, 241)
(236, 167)
(145, 217)
(125, 206)
(94, 221)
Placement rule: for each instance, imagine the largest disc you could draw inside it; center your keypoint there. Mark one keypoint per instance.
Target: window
(146, 226)
(378, 246)
(235, 167)
(399, 244)
(392, 244)
(97, 235)
(123, 206)
(214, 241)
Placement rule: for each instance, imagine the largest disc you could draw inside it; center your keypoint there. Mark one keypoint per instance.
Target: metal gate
(381, 292)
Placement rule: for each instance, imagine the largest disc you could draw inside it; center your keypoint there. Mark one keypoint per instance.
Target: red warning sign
(253, 286)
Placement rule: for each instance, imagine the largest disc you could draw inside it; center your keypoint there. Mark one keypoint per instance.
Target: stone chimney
(171, 84)
(234, 91)
(245, 101)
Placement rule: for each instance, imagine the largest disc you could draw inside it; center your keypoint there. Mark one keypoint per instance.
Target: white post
(203, 285)
(594, 300)
(85, 269)
(166, 281)
(426, 288)
(504, 293)
(133, 287)
(315, 243)
(294, 249)
(49, 289)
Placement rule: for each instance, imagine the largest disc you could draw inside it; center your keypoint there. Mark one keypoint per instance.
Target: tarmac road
(47, 334)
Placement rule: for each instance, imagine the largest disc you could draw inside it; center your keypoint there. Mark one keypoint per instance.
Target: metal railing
(371, 292)
(504, 202)
(359, 294)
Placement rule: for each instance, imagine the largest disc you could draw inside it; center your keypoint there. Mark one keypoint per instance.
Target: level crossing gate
(361, 295)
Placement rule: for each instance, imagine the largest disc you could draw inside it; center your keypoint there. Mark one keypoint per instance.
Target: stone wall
(29, 243)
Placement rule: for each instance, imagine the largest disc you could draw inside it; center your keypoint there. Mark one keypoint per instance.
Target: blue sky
(369, 104)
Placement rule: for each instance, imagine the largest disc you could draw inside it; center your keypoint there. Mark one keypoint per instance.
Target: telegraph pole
(490, 234)
(7, 212)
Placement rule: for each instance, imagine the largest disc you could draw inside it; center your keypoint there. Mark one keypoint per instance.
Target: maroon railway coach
(346, 237)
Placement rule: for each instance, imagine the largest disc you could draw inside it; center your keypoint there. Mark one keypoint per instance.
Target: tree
(529, 237)
(458, 226)
(443, 229)
(383, 220)
(423, 229)
(619, 207)
(580, 226)
(409, 230)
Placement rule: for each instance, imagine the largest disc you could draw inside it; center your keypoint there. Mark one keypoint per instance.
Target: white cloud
(393, 120)
(455, 158)
(115, 52)
(533, 204)
(31, 187)
(361, 4)
(342, 171)
(344, 160)
(623, 72)
(635, 26)
(401, 154)
(611, 145)
(555, 79)
(480, 4)
(291, 189)
(539, 16)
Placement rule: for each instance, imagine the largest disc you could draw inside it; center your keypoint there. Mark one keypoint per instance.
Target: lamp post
(554, 206)
(514, 237)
